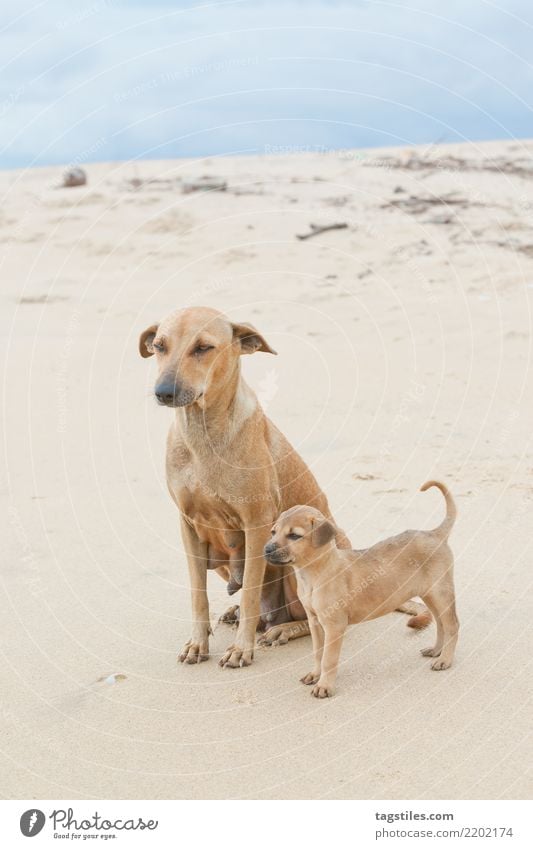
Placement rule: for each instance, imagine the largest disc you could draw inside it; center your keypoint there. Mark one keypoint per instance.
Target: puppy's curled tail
(420, 621)
(420, 615)
(445, 527)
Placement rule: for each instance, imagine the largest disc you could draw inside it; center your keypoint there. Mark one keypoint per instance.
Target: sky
(130, 79)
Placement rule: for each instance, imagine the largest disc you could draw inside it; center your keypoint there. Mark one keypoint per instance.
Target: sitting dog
(341, 587)
(230, 472)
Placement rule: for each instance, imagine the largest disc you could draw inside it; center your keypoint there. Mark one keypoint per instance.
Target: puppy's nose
(166, 393)
(270, 548)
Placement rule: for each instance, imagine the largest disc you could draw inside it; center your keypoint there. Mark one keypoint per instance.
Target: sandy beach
(404, 353)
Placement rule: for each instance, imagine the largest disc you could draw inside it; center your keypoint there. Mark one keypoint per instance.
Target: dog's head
(197, 349)
(300, 536)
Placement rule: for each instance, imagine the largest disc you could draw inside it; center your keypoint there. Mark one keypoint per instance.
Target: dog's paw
(231, 615)
(432, 652)
(279, 635)
(275, 636)
(236, 657)
(310, 678)
(440, 664)
(194, 652)
(321, 692)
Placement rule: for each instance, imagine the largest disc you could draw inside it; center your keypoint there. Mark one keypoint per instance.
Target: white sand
(404, 354)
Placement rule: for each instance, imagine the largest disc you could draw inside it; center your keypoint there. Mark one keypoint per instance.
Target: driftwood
(204, 184)
(416, 204)
(316, 229)
(519, 167)
(162, 182)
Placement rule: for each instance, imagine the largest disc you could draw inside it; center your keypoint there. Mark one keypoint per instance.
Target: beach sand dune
(404, 345)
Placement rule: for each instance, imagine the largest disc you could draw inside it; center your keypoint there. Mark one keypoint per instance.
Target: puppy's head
(300, 536)
(197, 350)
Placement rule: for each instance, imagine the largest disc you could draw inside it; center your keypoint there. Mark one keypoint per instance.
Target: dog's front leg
(317, 635)
(196, 649)
(333, 637)
(241, 653)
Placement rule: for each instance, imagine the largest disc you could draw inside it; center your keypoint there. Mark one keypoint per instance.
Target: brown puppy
(340, 588)
(230, 472)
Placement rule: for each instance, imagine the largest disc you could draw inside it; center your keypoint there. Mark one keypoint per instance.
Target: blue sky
(110, 79)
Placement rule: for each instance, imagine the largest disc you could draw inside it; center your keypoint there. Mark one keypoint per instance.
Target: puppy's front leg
(196, 649)
(241, 653)
(333, 637)
(317, 635)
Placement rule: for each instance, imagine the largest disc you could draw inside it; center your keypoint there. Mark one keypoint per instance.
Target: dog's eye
(294, 536)
(158, 346)
(201, 349)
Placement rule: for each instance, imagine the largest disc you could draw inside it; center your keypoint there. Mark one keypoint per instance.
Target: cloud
(119, 80)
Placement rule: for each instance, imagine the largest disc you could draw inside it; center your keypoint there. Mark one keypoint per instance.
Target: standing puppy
(340, 588)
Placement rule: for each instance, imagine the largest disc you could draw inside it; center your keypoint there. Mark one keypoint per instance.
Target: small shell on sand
(74, 177)
(112, 679)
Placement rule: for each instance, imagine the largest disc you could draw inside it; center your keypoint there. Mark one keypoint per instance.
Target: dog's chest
(208, 506)
(216, 493)
(214, 521)
(305, 590)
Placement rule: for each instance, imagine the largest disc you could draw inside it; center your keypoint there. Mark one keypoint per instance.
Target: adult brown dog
(341, 588)
(230, 472)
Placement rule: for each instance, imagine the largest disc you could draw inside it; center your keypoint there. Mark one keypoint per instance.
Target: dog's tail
(420, 615)
(445, 527)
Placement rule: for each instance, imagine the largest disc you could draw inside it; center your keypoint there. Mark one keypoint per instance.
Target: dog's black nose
(166, 393)
(270, 548)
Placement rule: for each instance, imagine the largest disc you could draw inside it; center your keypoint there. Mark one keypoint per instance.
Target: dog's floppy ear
(250, 339)
(145, 340)
(323, 531)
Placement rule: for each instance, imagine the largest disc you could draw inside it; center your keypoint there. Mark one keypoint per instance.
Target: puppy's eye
(272, 532)
(158, 346)
(294, 536)
(202, 349)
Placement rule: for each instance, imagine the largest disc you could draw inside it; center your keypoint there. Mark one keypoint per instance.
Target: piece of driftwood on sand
(316, 229)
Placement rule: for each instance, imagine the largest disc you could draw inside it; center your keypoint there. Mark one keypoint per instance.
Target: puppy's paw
(321, 692)
(194, 652)
(440, 664)
(310, 678)
(432, 652)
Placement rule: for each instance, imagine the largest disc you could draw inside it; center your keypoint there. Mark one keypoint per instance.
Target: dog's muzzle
(275, 555)
(173, 395)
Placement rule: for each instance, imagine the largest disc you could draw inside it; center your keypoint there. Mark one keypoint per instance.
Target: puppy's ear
(323, 531)
(145, 340)
(250, 339)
